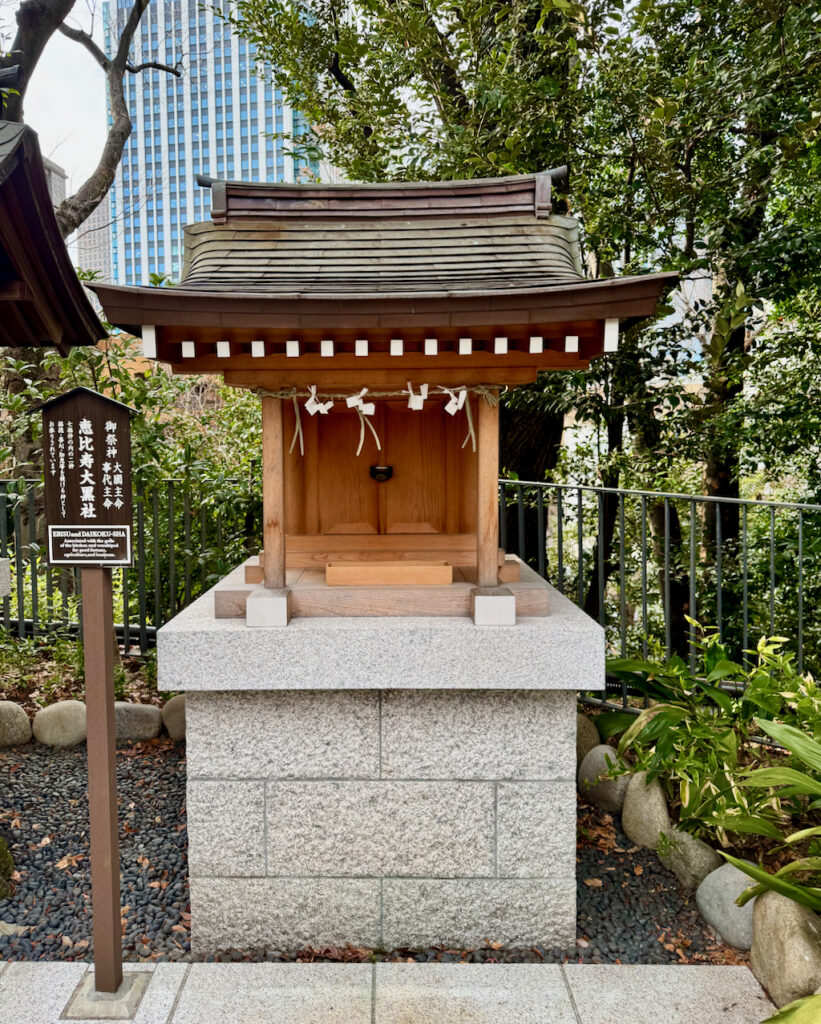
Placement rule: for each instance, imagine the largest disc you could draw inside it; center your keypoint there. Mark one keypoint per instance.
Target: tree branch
(135, 69)
(84, 39)
(75, 209)
(37, 21)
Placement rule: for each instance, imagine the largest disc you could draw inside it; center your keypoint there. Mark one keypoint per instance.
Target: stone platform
(383, 993)
(382, 781)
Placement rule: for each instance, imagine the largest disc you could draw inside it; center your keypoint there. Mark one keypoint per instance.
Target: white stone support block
(500, 346)
(326, 347)
(397, 346)
(536, 344)
(381, 828)
(493, 606)
(266, 608)
(303, 734)
(5, 577)
(286, 913)
(361, 346)
(431, 346)
(292, 349)
(258, 349)
(465, 346)
(571, 343)
(149, 337)
(188, 349)
(223, 349)
(226, 827)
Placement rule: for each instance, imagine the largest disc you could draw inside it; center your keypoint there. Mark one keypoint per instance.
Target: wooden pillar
(98, 630)
(487, 518)
(273, 493)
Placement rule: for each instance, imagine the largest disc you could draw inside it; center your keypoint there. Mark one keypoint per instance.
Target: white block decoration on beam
(397, 347)
(326, 347)
(188, 350)
(149, 337)
(258, 349)
(500, 346)
(431, 346)
(292, 348)
(611, 335)
(571, 343)
(361, 346)
(223, 349)
(465, 346)
(536, 344)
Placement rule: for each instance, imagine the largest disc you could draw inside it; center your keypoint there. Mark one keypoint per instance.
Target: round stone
(690, 859)
(786, 950)
(644, 816)
(62, 724)
(716, 901)
(587, 737)
(136, 721)
(594, 782)
(173, 716)
(15, 727)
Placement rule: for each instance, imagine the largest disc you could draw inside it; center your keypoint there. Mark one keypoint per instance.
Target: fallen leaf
(44, 841)
(638, 870)
(594, 883)
(69, 861)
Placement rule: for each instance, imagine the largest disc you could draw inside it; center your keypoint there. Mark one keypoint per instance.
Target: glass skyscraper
(212, 120)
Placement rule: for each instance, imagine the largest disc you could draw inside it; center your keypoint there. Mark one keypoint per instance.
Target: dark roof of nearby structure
(59, 399)
(42, 301)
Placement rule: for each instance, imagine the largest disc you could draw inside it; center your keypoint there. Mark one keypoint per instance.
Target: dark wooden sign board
(88, 512)
(87, 454)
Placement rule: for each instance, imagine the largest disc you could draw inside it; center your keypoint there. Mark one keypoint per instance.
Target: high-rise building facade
(215, 119)
(94, 242)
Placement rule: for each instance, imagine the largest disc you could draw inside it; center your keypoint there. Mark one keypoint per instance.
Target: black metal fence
(643, 563)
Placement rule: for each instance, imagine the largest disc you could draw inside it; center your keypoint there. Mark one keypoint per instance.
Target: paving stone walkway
(391, 993)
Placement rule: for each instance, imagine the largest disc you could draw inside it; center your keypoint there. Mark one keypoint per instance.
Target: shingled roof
(41, 299)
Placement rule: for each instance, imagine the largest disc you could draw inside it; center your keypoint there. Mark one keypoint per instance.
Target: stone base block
(383, 819)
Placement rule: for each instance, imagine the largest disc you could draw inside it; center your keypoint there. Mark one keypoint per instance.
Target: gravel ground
(630, 909)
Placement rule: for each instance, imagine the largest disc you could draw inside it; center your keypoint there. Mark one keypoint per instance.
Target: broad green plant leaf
(807, 898)
(802, 1011)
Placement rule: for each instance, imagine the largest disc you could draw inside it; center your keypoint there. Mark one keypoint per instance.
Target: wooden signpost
(88, 512)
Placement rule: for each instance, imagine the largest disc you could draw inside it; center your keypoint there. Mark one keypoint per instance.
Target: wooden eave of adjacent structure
(42, 301)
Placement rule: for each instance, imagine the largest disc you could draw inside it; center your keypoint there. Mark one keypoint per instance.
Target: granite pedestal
(381, 781)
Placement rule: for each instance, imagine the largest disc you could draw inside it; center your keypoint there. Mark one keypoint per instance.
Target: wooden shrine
(384, 771)
(379, 324)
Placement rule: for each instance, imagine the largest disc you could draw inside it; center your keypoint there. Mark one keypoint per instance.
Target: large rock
(716, 901)
(690, 859)
(786, 951)
(594, 784)
(62, 724)
(15, 727)
(644, 816)
(587, 737)
(136, 721)
(173, 716)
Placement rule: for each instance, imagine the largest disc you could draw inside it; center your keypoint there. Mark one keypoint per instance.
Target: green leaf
(794, 740)
(611, 723)
(783, 777)
(802, 1011)
(764, 878)
(749, 824)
